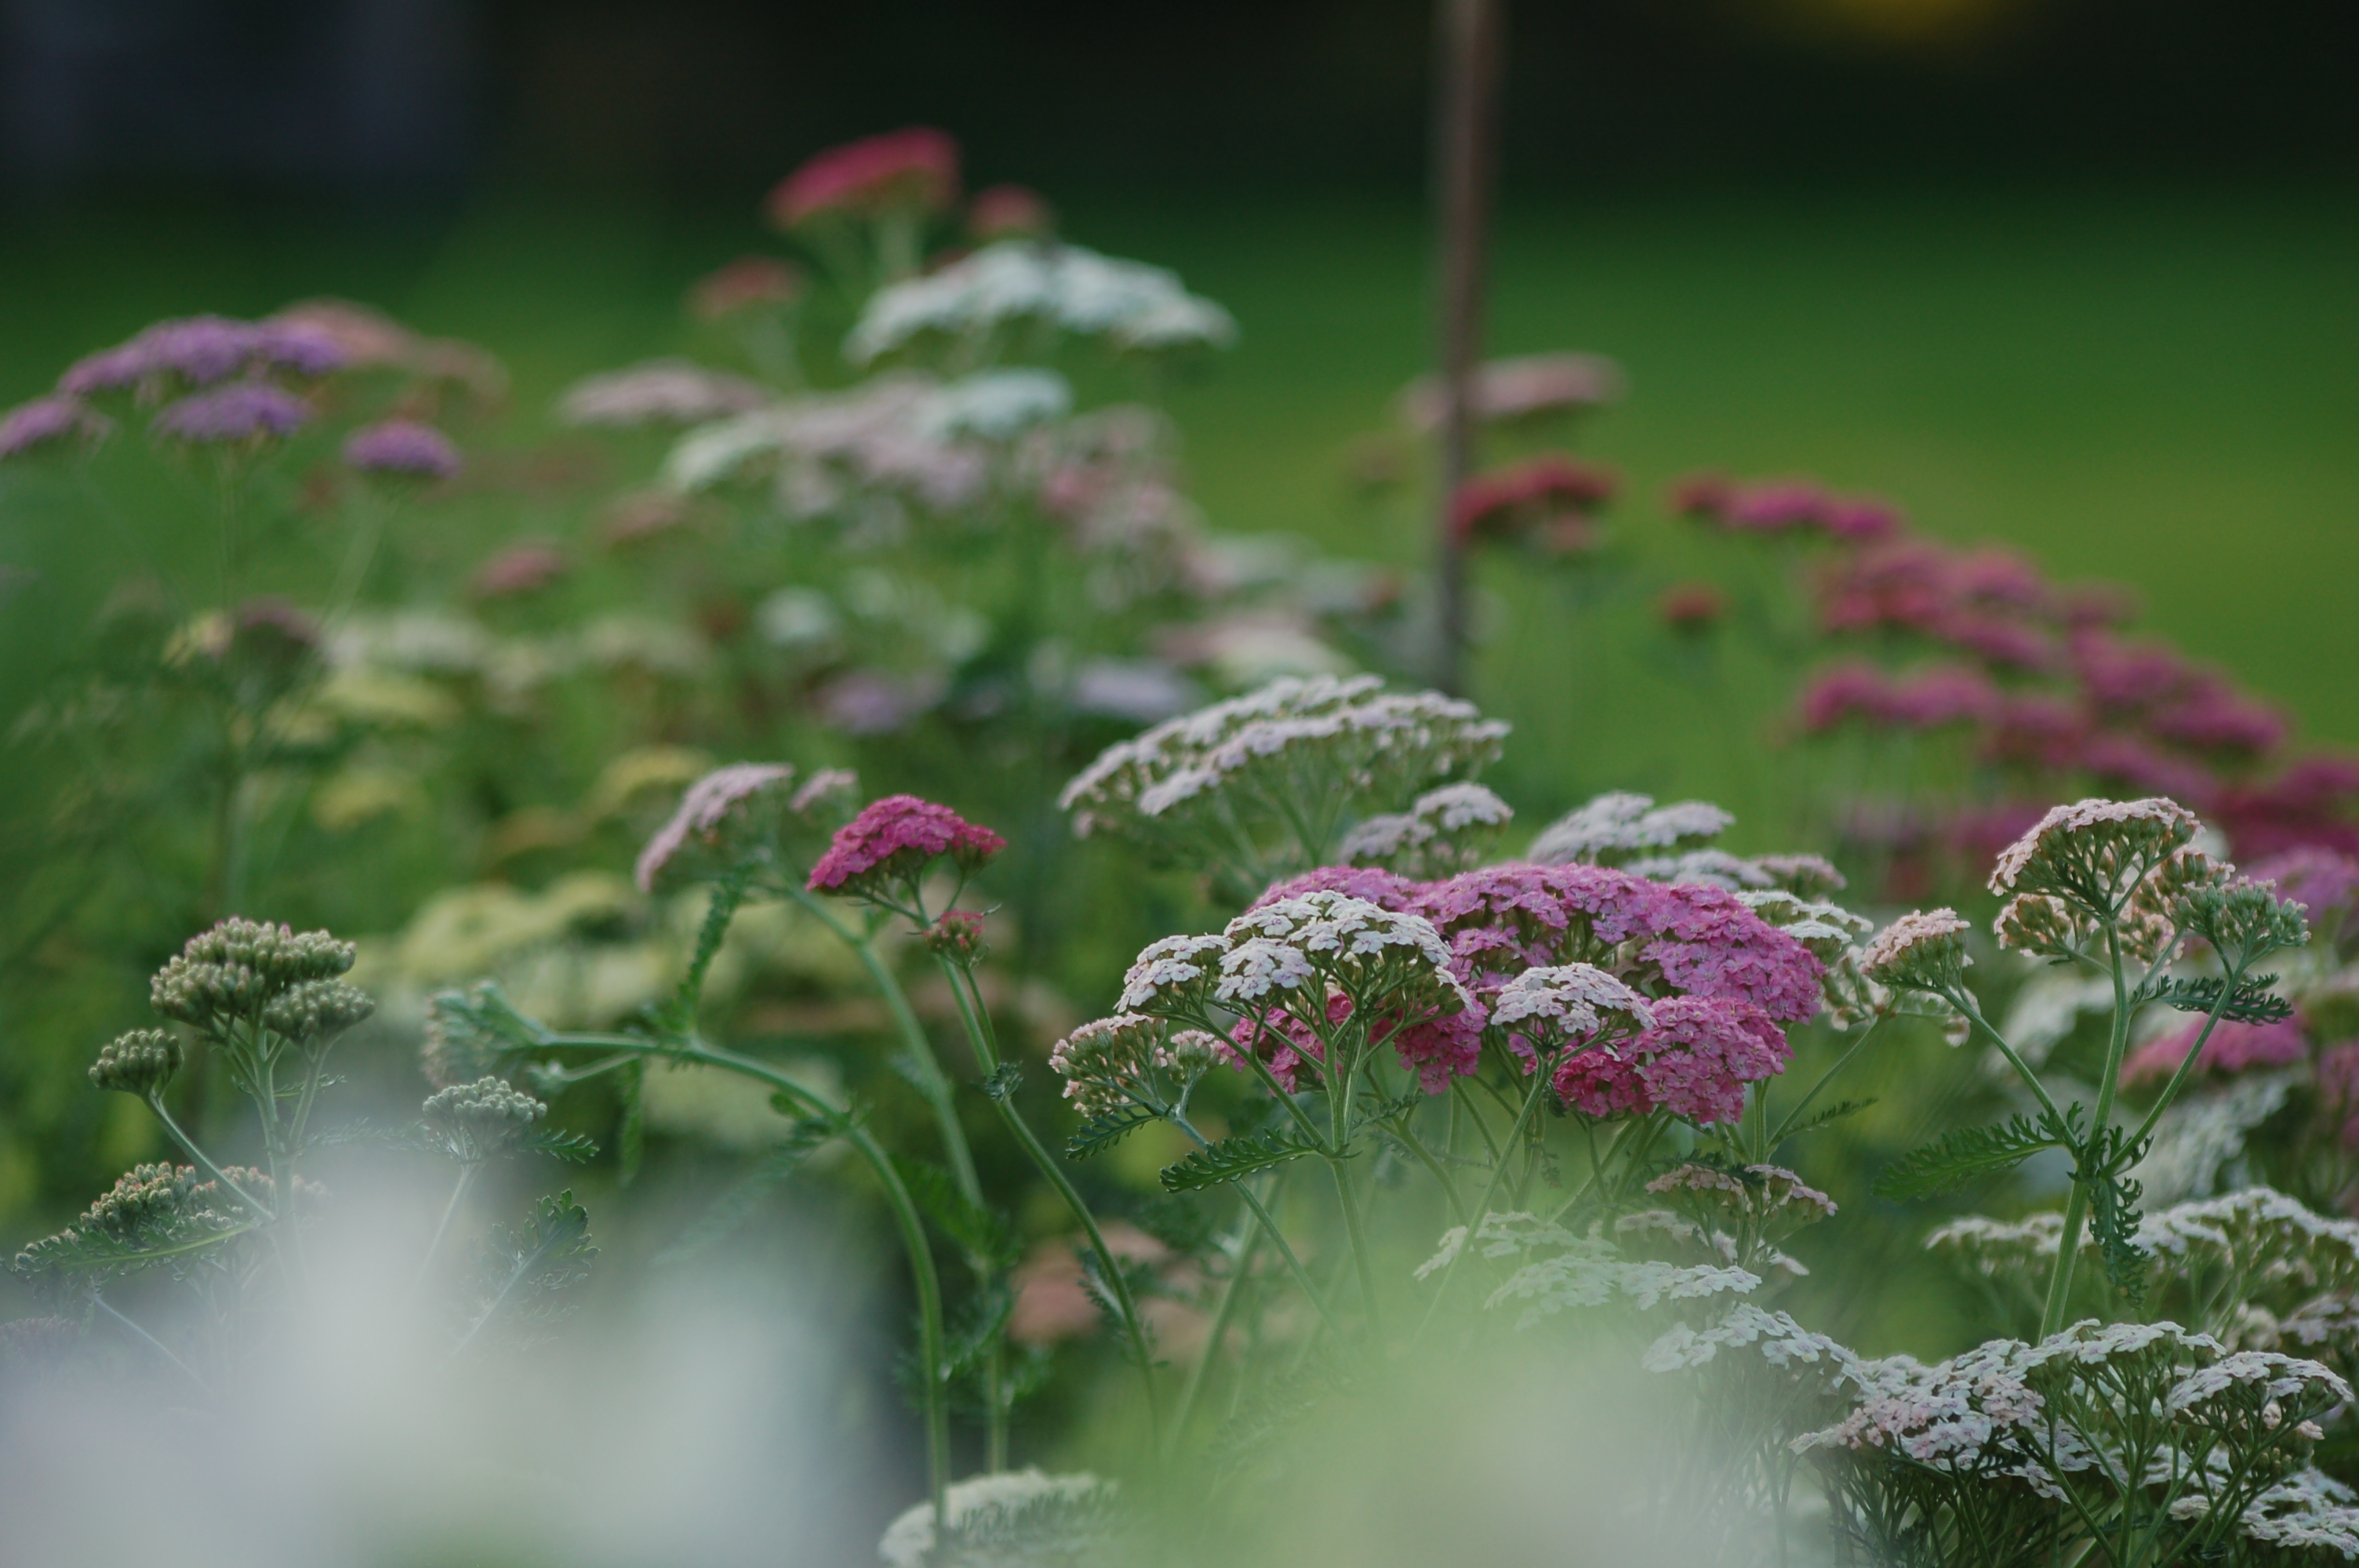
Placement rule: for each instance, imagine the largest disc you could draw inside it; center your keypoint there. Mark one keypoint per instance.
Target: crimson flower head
(1009, 212)
(917, 168)
(1691, 607)
(888, 845)
(1552, 495)
(745, 284)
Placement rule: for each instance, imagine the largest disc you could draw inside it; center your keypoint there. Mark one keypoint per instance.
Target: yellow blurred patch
(345, 800)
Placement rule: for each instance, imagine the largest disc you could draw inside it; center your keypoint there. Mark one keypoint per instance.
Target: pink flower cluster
(1783, 506)
(894, 839)
(401, 447)
(1700, 945)
(1550, 498)
(1437, 1047)
(1694, 1063)
(2037, 675)
(2233, 1048)
(917, 168)
(2324, 882)
(199, 350)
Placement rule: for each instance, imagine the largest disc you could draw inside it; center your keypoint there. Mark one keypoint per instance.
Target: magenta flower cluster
(1739, 977)
(2233, 1048)
(2037, 677)
(896, 839)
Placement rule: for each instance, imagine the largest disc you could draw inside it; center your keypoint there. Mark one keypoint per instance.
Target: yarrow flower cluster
(140, 1062)
(883, 850)
(1130, 305)
(1613, 828)
(1130, 1060)
(1295, 751)
(1923, 951)
(1694, 1060)
(228, 974)
(242, 411)
(1551, 500)
(1013, 1516)
(731, 811)
(660, 392)
(401, 449)
(916, 169)
(1443, 830)
(474, 1123)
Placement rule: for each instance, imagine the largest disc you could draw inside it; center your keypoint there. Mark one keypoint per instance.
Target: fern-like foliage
(1103, 1132)
(2114, 1208)
(524, 1276)
(566, 1148)
(1817, 1119)
(1236, 1157)
(677, 1013)
(981, 1235)
(1959, 1157)
(1002, 1083)
(2253, 1002)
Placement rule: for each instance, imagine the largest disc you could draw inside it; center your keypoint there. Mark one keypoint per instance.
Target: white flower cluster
(903, 431)
(987, 1506)
(1112, 1063)
(1294, 750)
(658, 391)
(2259, 1235)
(1313, 943)
(1569, 1006)
(2111, 833)
(1443, 831)
(1129, 304)
(1615, 828)
(1827, 929)
(2307, 1511)
(1784, 1343)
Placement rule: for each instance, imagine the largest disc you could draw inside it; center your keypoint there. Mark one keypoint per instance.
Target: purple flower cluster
(1702, 945)
(896, 839)
(199, 350)
(704, 810)
(45, 420)
(242, 411)
(401, 447)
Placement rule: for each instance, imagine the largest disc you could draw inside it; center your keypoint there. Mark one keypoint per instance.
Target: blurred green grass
(2150, 385)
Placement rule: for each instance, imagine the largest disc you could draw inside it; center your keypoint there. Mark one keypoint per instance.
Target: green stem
(1482, 1209)
(450, 1212)
(1964, 1000)
(977, 1020)
(1269, 1226)
(149, 1340)
(1359, 1242)
(2187, 1068)
(1240, 1283)
(1787, 1124)
(927, 1282)
(205, 1161)
(2076, 1209)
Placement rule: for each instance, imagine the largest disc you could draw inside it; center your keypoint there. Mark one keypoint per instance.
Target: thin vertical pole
(1466, 154)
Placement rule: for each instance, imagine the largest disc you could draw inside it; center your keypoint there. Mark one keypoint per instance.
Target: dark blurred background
(718, 93)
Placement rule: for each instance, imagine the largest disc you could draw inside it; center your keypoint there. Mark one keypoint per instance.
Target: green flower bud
(475, 1121)
(318, 1010)
(140, 1062)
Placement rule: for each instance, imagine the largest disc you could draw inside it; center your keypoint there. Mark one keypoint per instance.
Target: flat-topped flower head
(1756, 1193)
(51, 421)
(1009, 212)
(660, 392)
(717, 810)
(1360, 948)
(1445, 830)
(1617, 828)
(884, 848)
(1694, 1061)
(1130, 1060)
(749, 283)
(1810, 876)
(200, 351)
(140, 1062)
(229, 973)
(312, 1012)
(1017, 287)
(243, 413)
(1173, 976)
(401, 449)
(1828, 930)
(1923, 951)
(1566, 1007)
(916, 169)
(2244, 920)
(1011, 1515)
(955, 935)
(1267, 783)
(2092, 853)
(473, 1122)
